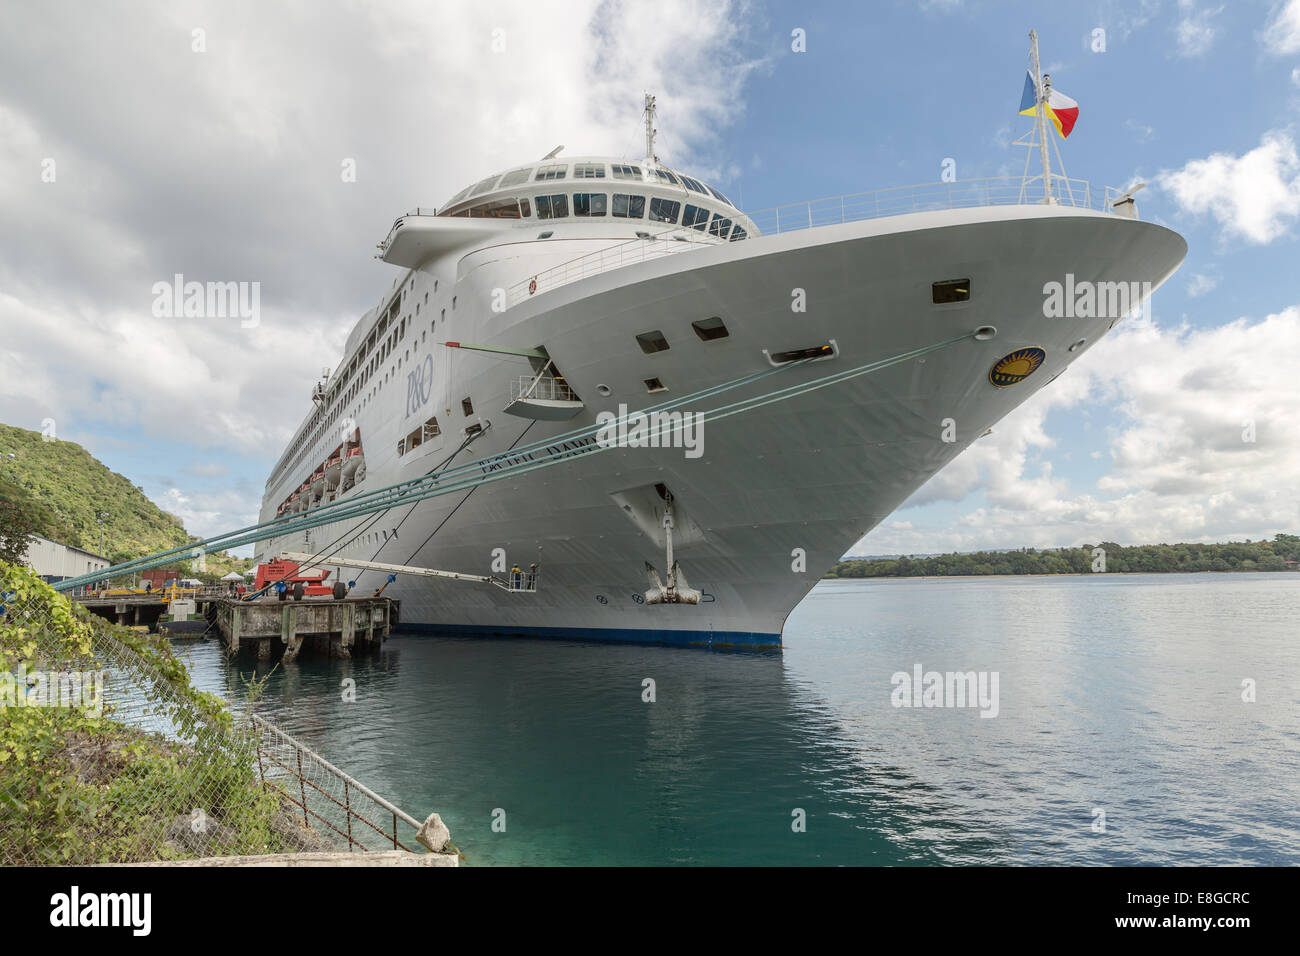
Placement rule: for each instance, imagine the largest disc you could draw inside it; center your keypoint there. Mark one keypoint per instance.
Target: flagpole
(1041, 90)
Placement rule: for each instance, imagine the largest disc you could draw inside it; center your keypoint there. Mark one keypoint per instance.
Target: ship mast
(650, 130)
(1042, 85)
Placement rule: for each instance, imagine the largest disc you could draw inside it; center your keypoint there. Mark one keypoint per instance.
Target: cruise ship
(548, 297)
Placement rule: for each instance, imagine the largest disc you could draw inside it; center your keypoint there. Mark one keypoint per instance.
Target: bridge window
(719, 195)
(629, 207)
(623, 171)
(738, 233)
(664, 210)
(589, 204)
(556, 171)
(588, 170)
(484, 186)
(552, 207)
(497, 209)
(719, 226)
(694, 185)
(951, 290)
(665, 176)
(652, 342)
(695, 217)
(515, 177)
(710, 329)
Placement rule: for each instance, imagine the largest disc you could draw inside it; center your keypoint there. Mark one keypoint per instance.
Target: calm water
(1120, 692)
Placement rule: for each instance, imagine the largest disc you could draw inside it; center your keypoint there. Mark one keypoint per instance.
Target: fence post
(347, 805)
(302, 785)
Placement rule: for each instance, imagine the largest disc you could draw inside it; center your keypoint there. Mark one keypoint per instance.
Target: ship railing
(542, 387)
(836, 210)
(603, 260)
(927, 197)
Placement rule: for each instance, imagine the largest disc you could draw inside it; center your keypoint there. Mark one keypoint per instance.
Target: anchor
(677, 590)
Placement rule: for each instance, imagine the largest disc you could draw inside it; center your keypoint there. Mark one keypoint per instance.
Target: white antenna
(650, 130)
(552, 154)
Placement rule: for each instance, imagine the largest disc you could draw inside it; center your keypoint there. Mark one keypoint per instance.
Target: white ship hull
(808, 476)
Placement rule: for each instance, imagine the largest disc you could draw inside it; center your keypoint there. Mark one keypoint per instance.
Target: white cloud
(1141, 131)
(1255, 196)
(1282, 33)
(1180, 469)
(1199, 284)
(225, 166)
(208, 514)
(1195, 31)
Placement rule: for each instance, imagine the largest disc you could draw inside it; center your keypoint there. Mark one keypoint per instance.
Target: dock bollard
(433, 833)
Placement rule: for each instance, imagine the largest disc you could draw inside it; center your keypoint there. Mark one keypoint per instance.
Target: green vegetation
(1260, 555)
(78, 786)
(58, 490)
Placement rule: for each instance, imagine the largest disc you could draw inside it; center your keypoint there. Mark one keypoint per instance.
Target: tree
(18, 522)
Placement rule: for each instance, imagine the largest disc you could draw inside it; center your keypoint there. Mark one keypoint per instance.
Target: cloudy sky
(208, 139)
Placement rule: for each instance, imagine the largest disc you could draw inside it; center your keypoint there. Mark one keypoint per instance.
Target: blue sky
(224, 163)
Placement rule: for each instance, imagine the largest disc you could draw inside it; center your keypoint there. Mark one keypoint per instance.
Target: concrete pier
(323, 625)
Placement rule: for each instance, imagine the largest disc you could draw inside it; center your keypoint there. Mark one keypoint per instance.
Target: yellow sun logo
(1016, 367)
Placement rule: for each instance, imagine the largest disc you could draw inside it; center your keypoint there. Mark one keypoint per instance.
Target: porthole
(603, 390)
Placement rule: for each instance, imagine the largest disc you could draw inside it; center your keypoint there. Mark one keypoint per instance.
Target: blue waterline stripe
(615, 635)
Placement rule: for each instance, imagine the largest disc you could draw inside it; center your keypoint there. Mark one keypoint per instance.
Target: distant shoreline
(1039, 574)
(1282, 553)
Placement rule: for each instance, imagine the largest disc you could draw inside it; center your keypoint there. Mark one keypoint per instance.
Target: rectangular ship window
(950, 290)
(664, 210)
(696, 217)
(629, 207)
(652, 342)
(514, 178)
(556, 171)
(589, 204)
(588, 170)
(710, 329)
(552, 207)
(467, 406)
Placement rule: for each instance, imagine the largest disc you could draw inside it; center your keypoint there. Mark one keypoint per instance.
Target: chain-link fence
(108, 754)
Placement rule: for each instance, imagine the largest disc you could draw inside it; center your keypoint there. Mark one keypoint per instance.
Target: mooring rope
(432, 486)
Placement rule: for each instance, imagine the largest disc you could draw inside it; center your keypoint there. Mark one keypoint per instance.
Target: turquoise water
(1120, 693)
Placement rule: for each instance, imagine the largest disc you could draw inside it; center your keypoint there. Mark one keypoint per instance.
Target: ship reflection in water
(1118, 693)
